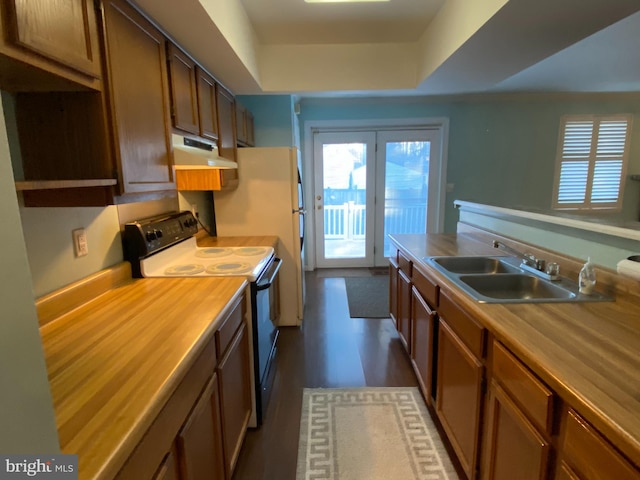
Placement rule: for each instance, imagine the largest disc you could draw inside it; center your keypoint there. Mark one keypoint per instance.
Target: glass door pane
(343, 197)
(406, 159)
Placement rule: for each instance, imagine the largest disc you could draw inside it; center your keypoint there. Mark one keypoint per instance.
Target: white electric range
(166, 246)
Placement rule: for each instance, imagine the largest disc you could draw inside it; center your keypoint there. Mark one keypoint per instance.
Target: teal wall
(501, 148)
(273, 119)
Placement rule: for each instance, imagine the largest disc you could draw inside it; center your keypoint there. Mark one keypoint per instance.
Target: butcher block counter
(204, 240)
(588, 353)
(115, 360)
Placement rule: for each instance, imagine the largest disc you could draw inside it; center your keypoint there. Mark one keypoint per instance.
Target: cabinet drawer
(405, 264)
(426, 286)
(590, 455)
(229, 326)
(471, 333)
(531, 395)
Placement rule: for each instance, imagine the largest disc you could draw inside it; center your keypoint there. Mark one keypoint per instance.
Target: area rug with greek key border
(369, 434)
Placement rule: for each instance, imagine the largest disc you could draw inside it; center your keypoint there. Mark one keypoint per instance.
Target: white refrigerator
(269, 201)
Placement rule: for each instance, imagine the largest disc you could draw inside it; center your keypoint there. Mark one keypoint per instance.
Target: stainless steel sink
(516, 286)
(499, 279)
(476, 264)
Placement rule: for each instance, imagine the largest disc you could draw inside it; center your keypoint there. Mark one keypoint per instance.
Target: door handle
(301, 211)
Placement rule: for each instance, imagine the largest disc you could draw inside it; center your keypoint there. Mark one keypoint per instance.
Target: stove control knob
(151, 236)
(158, 233)
(193, 222)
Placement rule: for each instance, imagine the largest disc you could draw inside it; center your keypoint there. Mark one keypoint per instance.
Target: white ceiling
(297, 22)
(423, 47)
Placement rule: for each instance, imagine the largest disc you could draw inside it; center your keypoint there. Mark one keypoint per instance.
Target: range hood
(190, 154)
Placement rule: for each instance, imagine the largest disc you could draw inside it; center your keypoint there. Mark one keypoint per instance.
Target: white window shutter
(591, 162)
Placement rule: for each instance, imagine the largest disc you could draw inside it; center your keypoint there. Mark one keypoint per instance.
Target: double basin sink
(499, 279)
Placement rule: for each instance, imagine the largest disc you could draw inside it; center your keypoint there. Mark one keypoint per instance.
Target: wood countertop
(204, 240)
(114, 361)
(588, 353)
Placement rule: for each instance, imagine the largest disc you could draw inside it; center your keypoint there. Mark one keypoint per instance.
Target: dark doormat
(368, 297)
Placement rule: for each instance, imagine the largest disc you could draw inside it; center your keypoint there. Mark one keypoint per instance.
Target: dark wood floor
(329, 350)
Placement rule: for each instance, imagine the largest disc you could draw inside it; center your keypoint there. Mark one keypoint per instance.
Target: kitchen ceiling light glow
(345, 1)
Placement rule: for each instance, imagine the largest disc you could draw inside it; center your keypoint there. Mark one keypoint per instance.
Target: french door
(344, 197)
(369, 184)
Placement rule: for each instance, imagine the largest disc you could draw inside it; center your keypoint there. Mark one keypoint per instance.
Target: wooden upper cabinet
(244, 126)
(139, 99)
(226, 123)
(250, 130)
(63, 31)
(207, 105)
(241, 132)
(184, 97)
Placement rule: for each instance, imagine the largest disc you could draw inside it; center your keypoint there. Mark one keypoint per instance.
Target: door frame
(440, 124)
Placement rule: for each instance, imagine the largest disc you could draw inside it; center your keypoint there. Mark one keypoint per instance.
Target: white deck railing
(347, 221)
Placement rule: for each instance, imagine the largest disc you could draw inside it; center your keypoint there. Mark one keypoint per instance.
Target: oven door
(265, 331)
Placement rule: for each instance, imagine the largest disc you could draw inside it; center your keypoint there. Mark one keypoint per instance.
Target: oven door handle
(274, 268)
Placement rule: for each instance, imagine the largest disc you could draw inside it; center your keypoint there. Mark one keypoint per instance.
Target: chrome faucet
(527, 258)
(532, 264)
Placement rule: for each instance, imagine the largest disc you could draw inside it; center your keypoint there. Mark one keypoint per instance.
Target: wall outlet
(80, 246)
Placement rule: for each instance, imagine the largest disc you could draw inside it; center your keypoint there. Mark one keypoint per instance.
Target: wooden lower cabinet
(564, 472)
(199, 432)
(459, 396)
(235, 395)
(423, 329)
(199, 443)
(404, 309)
(169, 468)
(393, 290)
(589, 455)
(515, 449)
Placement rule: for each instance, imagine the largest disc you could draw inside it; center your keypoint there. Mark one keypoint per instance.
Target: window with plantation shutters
(591, 162)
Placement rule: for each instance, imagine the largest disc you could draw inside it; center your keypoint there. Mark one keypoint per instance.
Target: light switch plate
(80, 246)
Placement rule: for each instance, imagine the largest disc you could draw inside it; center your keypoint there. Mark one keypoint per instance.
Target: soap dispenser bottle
(587, 278)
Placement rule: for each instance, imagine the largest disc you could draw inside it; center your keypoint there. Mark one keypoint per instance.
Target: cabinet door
(226, 123)
(515, 449)
(235, 394)
(249, 128)
(393, 291)
(184, 97)
(200, 440)
(590, 455)
(404, 309)
(207, 109)
(139, 99)
(459, 396)
(564, 472)
(423, 319)
(241, 124)
(169, 468)
(62, 30)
